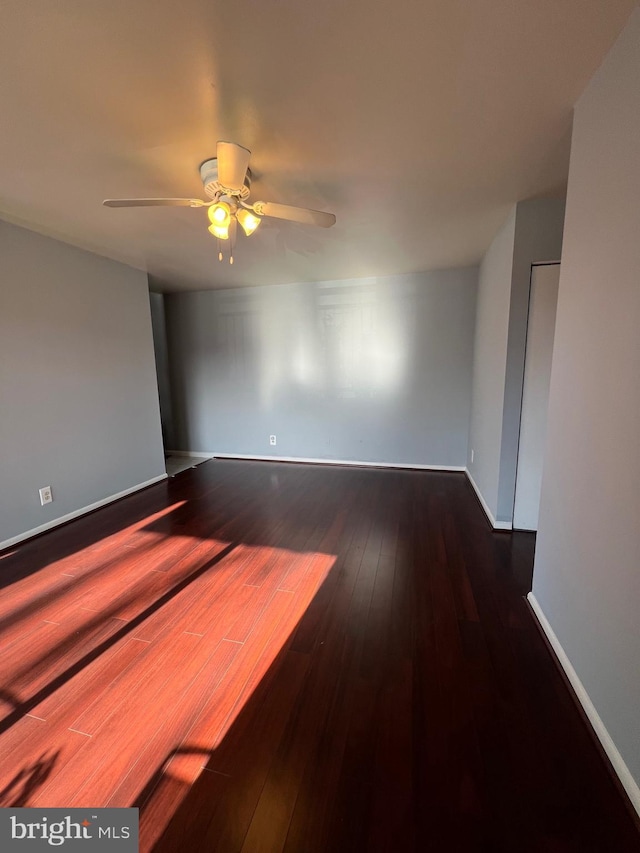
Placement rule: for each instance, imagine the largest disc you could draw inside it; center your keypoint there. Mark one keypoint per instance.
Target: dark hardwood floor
(306, 659)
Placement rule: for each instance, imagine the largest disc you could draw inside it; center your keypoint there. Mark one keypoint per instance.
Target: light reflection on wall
(375, 369)
(345, 339)
(289, 360)
(364, 333)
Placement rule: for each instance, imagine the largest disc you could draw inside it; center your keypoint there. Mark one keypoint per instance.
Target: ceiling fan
(227, 181)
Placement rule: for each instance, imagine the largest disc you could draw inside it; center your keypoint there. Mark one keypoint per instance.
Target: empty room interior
(319, 419)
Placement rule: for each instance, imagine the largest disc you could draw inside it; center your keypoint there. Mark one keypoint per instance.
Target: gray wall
(587, 567)
(538, 238)
(372, 370)
(159, 327)
(489, 362)
(531, 234)
(78, 397)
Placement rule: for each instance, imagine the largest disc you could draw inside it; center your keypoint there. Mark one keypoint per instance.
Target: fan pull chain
(219, 250)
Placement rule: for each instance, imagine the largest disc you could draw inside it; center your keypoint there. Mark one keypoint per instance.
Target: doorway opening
(543, 298)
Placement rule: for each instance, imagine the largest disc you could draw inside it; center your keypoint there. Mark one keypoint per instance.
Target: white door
(535, 395)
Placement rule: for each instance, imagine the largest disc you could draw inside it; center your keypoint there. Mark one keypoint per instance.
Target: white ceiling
(417, 122)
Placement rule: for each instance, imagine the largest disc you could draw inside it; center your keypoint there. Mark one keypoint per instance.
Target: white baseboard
(497, 525)
(617, 761)
(315, 461)
(189, 453)
(42, 528)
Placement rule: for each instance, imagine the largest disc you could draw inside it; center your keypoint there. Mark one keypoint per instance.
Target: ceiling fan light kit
(220, 213)
(248, 220)
(226, 180)
(220, 218)
(211, 170)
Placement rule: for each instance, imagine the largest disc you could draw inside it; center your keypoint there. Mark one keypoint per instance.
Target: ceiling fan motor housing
(212, 187)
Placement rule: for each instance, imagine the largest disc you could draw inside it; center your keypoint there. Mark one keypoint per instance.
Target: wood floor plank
(281, 657)
(112, 749)
(391, 825)
(250, 666)
(83, 689)
(118, 778)
(183, 709)
(270, 824)
(53, 649)
(152, 661)
(224, 800)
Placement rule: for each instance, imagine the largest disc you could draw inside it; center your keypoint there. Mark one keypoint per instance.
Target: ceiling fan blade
(233, 162)
(295, 214)
(154, 202)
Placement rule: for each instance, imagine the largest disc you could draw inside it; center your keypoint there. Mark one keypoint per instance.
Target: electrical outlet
(272, 440)
(472, 454)
(46, 495)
